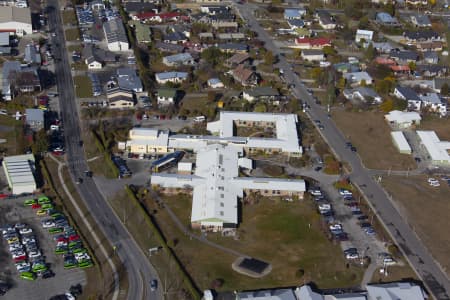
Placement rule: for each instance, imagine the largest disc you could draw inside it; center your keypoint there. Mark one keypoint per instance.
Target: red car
(74, 237)
(36, 206)
(20, 258)
(58, 153)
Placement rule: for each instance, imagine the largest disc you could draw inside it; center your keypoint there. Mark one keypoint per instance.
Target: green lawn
(83, 86)
(72, 34)
(198, 105)
(69, 17)
(287, 235)
(76, 48)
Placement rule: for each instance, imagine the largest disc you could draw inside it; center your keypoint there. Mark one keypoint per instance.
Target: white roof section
(280, 294)
(395, 291)
(438, 150)
(217, 186)
(400, 141)
(185, 166)
(286, 129)
(15, 14)
(19, 172)
(148, 136)
(306, 293)
(399, 117)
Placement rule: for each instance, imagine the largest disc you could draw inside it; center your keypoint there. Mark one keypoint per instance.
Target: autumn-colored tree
(387, 105)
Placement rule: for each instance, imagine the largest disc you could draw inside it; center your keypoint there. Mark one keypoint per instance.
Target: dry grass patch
(440, 125)
(370, 134)
(427, 209)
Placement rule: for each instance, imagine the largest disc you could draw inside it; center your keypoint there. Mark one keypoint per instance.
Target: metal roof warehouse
(19, 171)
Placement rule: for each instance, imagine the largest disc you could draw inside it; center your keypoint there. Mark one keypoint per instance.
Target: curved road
(140, 271)
(415, 251)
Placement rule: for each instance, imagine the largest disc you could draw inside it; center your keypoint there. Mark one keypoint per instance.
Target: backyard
(299, 251)
(83, 86)
(370, 134)
(426, 208)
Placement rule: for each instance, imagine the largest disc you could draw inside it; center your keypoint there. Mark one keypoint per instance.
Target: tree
(269, 58)
(328, 50)
(40, 144)
(212, 55)
(412, 66)
(364, 22)
(387, 105)
(389, 8)
(260, 107)
(341, 83)
(445, 89)
(370, 52)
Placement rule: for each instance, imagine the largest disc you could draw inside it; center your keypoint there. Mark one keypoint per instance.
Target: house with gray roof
(296, 23)
(16, 78)
(127, 79)
(357, 78)
(173, 77)
(180, 59)
(32, 55)
(420, 20)
(294, 13)
(34, 118)
(233, 48)
(404, 56)
(168, 47)
(364, 94)
(261, 93)
(175, 38)
(115, 34)
(386, 19)
(408, 94)
(395, 291)
(430, 57)
(431, 70)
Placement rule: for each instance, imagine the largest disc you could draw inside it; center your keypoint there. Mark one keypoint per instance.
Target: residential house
(402, 120)
(364, 94)
(238, 59)
(127, 79)
(312, 43)
(382, 47)
(386, 19)
(119, 98)
(96, 58)
(16, 78)
(385, 61)
(261, 93)
(34, 119)
(175, 38)
(295, 24)
(93, 63)
(302, 32)
(420, 36)
(431, 70)
(346, 67)
(115, 34)
(206, 35)
(214, 9)
(170, 48)
(233, 48)
(173, 77)
(404, 56)
(408, 94)
(416, 2)
(400, 70)
(215, 83)
(430, 46)
(433, 102)
(326, 21)
(97, 5)
(133, 8)
(166, 96)
(437, 84)
(430, 57)
(158, 18)
(294, 13)
(358, 78)
(180, 59)
(313, 55)
(420, 20)
(365, 35)
(244, 76)
(230, 36)
(32, 54)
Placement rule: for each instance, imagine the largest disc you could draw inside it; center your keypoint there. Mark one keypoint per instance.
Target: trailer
(167, 161)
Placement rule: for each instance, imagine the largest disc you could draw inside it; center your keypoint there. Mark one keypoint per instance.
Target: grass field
(12, 132)
(284, 226)
(427, 209)
(370, 134)
(440, 125)
(72, 34)
(83, 86)
(69, 17)
(195, 105)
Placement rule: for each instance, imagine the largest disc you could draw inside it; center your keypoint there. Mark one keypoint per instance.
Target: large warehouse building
(19, 171)
(15, 20)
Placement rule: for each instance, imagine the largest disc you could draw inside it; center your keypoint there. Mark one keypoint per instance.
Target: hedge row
(156, 231)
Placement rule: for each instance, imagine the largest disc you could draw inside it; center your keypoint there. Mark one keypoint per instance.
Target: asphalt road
(139, 270)
(416, 252)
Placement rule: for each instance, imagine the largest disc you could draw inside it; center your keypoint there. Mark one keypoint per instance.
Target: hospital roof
(394, 291)
(437, 149)
(15, 14)
(400, 140)
(402, 117)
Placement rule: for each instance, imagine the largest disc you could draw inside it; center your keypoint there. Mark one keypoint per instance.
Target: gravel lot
(12, 211)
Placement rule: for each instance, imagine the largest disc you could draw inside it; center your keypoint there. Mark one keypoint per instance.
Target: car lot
(13, 211)
(348, 225)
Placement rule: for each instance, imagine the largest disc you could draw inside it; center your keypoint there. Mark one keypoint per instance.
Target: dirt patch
(427, 209)
(370, 134)
(440, 125)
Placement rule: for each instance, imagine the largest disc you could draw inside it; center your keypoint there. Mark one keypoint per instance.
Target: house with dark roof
(244, 76)
(326, 21)
(404, 56)
(166, 96)
(120, 99)
(312, 55)
(421, 36)
(409, 95)
(420, 20)
(365, 94)
(233, 48)
(296, 23)
(32, 54)
(175, 38)
(168, 47)
(261, 93)
(127, 79)
(430, 57)
(237, 59)
(294, 13)
(431, 70)
(133, 8)
(180, 59)
(159, 18)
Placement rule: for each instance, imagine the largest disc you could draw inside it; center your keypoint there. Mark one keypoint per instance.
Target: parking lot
(13, 211)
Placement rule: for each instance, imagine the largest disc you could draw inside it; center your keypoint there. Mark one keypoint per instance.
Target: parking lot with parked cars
(31, 231)
(350, 226)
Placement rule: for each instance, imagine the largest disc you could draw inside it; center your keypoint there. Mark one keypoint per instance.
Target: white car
(315, 192)
(15, 246)
(28, 240)
(351, 256)
(389, 261)
(69, 296)
(26, 230)
(18, 253)
(3, 112)
(335, 227)
(34, 254)
(48, 224)
(82, 256)
(343, 192)
(324, 206)
(430, 180)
